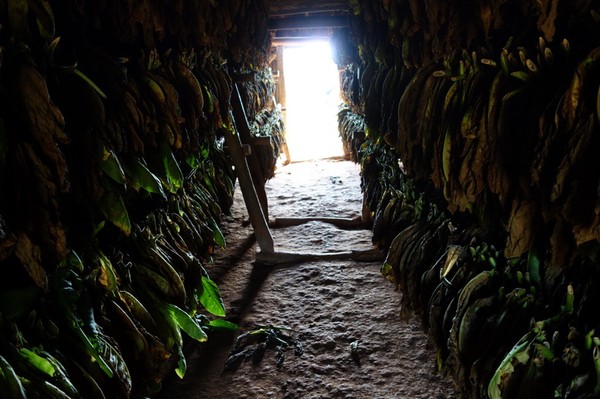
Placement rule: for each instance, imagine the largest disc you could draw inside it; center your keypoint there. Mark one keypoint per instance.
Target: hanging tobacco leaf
(210, 297)
(547, 17)
(111, 165)
(186, 323)
(174, 174)
(140, 177)
(113, 208)
(45, 121)
(223, 324)
(30, 256)
(520, 228)
(46, 215)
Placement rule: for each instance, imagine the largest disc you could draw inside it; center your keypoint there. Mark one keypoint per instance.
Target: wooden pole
(281, 97)
(257, 217)
(245, 137)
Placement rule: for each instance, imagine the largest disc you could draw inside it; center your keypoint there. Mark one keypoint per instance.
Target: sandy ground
(344, 314)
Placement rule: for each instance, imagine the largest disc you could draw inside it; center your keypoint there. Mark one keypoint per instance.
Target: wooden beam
(251, 180)
(342, 223)
(308, 22)
(257, 218)
(291, 258)
(241, 122)
(298, 7)
(295, 41)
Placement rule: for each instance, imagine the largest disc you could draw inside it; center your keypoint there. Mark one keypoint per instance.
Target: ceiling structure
(298, 20)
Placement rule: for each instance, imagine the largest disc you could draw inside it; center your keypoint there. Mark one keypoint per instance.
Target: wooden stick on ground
(343, 223)
(280, 258)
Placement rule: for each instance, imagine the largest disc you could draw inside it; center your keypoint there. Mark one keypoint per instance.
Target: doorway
(312, 87)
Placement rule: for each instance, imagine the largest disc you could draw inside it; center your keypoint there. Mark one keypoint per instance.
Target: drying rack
(256, 201)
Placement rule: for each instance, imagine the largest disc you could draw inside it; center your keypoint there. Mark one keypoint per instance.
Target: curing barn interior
(135, 134)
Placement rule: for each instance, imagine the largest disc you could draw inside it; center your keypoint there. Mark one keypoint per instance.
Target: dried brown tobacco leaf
(47, 214)
(548, 14)
(30, 256)
(590, 232)
(520, 232)
(44, 119)
(561, 245)
(497, 178)
(577, 147)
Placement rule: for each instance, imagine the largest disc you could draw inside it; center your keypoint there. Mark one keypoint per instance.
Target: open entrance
(312, 88)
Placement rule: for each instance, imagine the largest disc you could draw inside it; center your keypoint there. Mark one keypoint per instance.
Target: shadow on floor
(204, 356)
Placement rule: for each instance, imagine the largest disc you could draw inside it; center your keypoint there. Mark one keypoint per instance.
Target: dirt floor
(342, 315)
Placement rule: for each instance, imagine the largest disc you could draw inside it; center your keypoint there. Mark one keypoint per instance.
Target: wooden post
(257, 218)
(281, 98)
(255, 210)
(245, 137)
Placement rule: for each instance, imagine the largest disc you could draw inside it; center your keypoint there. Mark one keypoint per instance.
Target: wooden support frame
(245, 136)
(257, 211)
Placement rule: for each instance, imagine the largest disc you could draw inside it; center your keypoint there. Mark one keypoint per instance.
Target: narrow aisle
(344, 314)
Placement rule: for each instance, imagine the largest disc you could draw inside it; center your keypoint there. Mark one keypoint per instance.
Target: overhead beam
(308, 22)
(296, 41)
(307, 12)
(298, 7)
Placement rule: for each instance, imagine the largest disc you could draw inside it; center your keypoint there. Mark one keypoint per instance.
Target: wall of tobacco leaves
(476, 127)
(114, 179)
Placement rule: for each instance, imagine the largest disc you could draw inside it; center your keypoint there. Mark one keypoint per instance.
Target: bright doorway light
(312, 87)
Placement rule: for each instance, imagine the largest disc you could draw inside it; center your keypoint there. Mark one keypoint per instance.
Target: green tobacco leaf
(67, 285)
(111, 165)
(209, 99)
(73, 261)
(211, 299)
(38, 362)
(387, 272)
(90, 82)
(192, 161)
(172, 169)
(218, 236)
(113, 208)
(141, 177)
(520, 354)
(181, 365)
(186, 323)
(533, 267)
(223, 324)
(108, 276)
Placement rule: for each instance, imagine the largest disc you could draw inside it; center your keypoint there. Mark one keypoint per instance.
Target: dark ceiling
(293, 20)
(284, 8)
